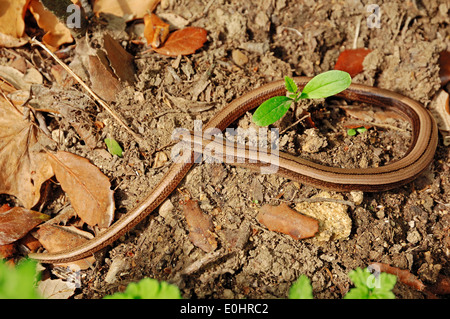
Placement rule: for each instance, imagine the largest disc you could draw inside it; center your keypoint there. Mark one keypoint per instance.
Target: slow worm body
(418, 157)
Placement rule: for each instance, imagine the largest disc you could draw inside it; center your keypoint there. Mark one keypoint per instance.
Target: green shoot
(301, 289)
(18, 282)
(148, 288)
(354, 131)
(367, 286)
(321, 86)
(113, 147)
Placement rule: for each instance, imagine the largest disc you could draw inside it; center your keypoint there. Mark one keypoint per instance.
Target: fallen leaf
(285, 220)
(18, 79)
(156, 31)
(439, 108)
(59, 238)
(7, 251)
(23, 169)
(200, 227)
(56, 289)
(351, 61)
(103, 82)
(120, 61)
(183, 42)
(444, 67)
(9, 41)
(56, 32)
(17, 222)
(128, 9)
(88, 189)
(12, 16)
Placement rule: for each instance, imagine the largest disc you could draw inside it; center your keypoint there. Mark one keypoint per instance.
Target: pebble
(239, 58)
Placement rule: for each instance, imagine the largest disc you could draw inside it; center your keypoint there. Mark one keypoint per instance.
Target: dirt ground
(405, 227)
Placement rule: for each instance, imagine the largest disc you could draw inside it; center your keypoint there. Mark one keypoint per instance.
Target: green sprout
(354, 131)
(367, 286)
(321, 86)
(148, 288)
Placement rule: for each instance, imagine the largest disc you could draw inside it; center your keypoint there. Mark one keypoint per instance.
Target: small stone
(239, 58)
(413, 236)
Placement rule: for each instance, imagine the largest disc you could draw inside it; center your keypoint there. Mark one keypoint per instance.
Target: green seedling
(148, 288)
(321, 86)
(354, 131)
(367, 286)
(18, 282)
(113, 147)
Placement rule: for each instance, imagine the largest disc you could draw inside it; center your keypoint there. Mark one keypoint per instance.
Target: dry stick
(140, 140)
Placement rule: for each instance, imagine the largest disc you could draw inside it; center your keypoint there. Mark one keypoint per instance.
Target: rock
(239, 58)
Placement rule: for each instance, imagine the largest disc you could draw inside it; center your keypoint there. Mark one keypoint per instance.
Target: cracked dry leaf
(12, 15)
(88, 189)
(128, 9)
(17, 222)
(22, 168)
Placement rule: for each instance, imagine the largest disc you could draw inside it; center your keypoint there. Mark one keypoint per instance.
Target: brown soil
(405, 227)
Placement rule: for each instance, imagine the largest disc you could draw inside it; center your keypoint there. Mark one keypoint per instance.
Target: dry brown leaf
(88, 189)
(10, 41)
(12, 15)
(17, 222)
(183, 42)
(22, 169)
(440, 109)
(156, 31)
(56, 289)
(59, 238)
(103, 82)
(200, 227)
(57, 33)
(120, 61)
(128, 9)
(285, 220)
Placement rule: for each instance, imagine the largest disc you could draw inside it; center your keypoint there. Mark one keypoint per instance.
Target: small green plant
(19, 282)
(113, 147)
(367, 286)
(148, 288)
(354, 131)
(321, 86)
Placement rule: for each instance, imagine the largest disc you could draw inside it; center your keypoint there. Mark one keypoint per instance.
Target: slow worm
(418, 157)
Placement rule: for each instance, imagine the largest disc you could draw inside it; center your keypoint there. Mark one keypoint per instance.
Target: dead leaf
(351, 61)
(440, 110)
(60, 238)
(10, 41)
(285, 220)
(12, 16)
(88, 189)
(444, 67)
(103, 82)
(183, 42)
(22, 168)
(129, 9)
(200, 227)
(156, 31)
(7, 251)
(57, 33)
(17, 222)
(56, 289)
(120, 61)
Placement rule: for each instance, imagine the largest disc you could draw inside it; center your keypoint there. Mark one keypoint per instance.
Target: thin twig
(140, 140)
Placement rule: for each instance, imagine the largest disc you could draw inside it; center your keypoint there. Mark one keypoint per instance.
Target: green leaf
(326, 84)
(271, 110)
(361, 129)
(351, 132)
(368, 286)
(113, 147)
(148, 288)
(301, 289)
(19, 282)
(290, 85)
